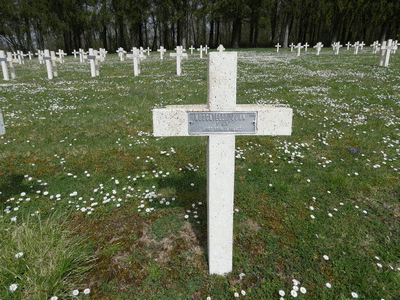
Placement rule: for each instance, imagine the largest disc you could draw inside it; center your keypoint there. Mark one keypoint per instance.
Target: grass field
(90, 200)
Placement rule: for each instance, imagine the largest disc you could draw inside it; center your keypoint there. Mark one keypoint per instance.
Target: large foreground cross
(221, 120)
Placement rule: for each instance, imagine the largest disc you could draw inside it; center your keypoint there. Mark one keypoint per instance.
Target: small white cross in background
(94, 64)
(121, 53)
(356, 46)
(318, 46)
(50, 58)
(277, 47)
(162, 51)
(201, 49)
(148, 51)
(179, 54)
(386, 49)
(299, 46)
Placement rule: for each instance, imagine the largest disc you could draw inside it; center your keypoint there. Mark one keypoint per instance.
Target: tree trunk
(211, 35)
(237, 26)
(289, 21)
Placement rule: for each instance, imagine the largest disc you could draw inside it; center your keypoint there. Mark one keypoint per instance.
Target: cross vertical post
(221, 96)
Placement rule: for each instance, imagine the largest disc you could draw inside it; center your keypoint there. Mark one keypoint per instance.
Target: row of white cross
(385, 54)
(94, 56)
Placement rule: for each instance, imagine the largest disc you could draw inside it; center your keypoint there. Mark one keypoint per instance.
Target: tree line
(72, 24)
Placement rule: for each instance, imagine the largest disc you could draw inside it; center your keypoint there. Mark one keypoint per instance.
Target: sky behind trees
(72, 24)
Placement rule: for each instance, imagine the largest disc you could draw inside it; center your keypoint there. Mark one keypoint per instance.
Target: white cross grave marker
(318, 47)
(337, 47)
(40, 56)
(356, 46)
(3, 61)
(162, 51)
(10, 61)
(121, 52)
(51, 72)
(2, 128)
(383, 54)
(61, 55)
(103, 53)
(82, 56)
(201, 49)
(54, 62)
(179, 54)
(141, 50)
(277, 47)
(148, 51)
(348, 45)
(221, 120)
(291, 47)
(362, 44)
(30, 54)
(395, 46)
(206, 48)
(94, 64)
(137, 56)
(75, 53)
(20, 57)
(191, 49)
(299, 46)
(386, 49)
(221, 48)
(306, 45)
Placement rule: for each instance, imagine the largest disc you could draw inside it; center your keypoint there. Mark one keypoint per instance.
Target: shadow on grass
(191, 189)
(12, 185)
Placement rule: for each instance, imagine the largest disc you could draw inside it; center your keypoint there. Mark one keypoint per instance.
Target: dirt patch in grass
(128, 252)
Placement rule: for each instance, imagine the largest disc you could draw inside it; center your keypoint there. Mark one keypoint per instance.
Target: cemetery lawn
(92, 200)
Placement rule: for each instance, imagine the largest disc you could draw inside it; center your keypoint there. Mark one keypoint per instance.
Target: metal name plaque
(3, 59)
(46, 58)
(91, 57)
(206, 123)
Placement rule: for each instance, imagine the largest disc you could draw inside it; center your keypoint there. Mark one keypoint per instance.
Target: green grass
(41, 257)
(137, 204)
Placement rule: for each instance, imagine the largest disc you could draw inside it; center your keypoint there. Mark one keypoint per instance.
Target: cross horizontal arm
(173, 120)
